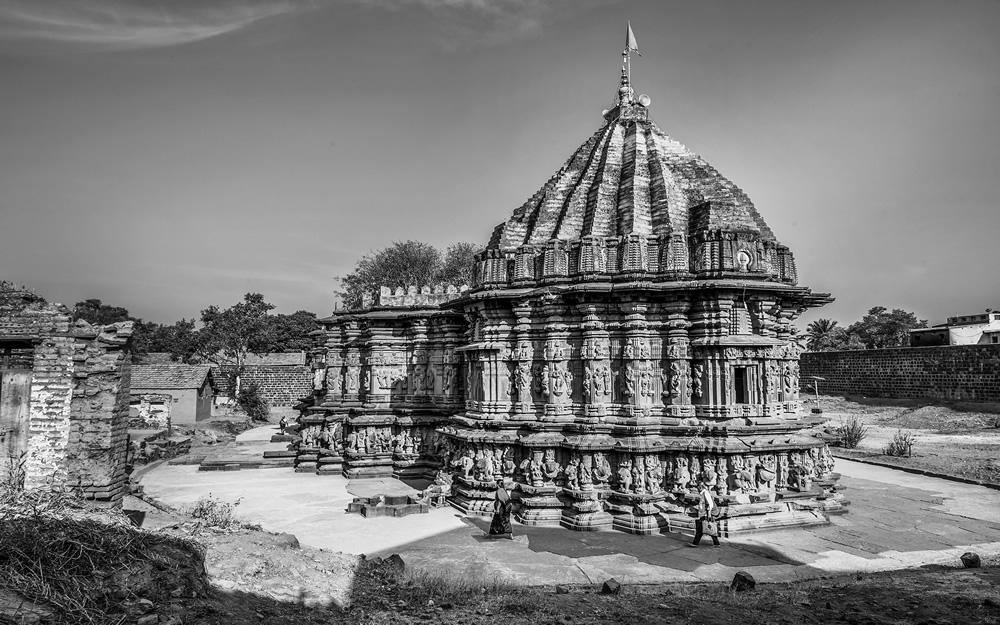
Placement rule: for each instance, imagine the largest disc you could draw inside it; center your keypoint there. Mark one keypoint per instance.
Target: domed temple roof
(633, 200)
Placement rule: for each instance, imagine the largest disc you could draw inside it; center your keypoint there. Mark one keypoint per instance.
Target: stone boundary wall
(280, 385)
(957, 372)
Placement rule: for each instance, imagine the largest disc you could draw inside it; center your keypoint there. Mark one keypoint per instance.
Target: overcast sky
(165, 156)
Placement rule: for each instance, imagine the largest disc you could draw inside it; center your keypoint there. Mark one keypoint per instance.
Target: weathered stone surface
(743, 581)
(286, 541)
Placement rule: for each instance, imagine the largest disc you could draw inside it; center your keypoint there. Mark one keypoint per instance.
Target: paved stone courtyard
(896, 520)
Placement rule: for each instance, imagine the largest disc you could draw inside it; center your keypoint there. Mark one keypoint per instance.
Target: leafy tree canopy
(878, 329)
(404, 264)
(98, 313)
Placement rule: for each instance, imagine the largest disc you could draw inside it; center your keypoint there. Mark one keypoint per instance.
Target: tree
(404, 264)
(98, 313)
(229, 336)
(837, 339)
(458, 264)
(817, 331)
(180, 340)
(881, 328)
(291, 332)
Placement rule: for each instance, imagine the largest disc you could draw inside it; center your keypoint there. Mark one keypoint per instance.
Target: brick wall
(280, 385)
(959, 372)
(77, 419)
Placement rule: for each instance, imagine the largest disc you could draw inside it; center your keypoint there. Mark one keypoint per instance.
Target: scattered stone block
(611, 587)
(971, 560)
(286, 541)
(743, 581)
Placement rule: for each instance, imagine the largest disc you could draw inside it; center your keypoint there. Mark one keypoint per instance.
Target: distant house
(189, 388)
(978, 329)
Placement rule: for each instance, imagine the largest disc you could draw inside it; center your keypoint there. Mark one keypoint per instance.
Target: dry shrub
(57, 551)
(853, 432)
(901, 444)
(218, 513)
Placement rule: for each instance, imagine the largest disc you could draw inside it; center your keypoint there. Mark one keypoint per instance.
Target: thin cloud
(485, 23)
(122, 24)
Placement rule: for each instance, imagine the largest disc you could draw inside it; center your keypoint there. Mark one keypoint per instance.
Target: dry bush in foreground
(83, 562)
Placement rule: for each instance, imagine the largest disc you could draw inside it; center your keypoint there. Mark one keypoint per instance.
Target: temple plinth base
(414, 467)
(540, 505)
(586, 511)
(637, 513)
(368, 465)
(473, 497)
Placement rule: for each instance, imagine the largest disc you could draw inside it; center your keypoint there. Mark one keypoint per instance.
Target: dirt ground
(952, 438)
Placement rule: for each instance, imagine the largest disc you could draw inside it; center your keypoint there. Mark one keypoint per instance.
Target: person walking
(706, 522)
(282, 424)
(502, 506)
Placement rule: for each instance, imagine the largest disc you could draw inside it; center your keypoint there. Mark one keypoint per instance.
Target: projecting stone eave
(801, 295)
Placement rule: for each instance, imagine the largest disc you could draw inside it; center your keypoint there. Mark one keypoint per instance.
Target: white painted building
(978, 329)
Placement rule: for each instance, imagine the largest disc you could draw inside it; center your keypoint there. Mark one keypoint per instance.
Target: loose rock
(971, 560)
(743, 581)
(287, 541)
(611, 587)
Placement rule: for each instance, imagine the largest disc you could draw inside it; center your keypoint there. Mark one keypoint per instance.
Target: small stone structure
(955, 372)
(64, 397)
(628, 334)
(149, 411)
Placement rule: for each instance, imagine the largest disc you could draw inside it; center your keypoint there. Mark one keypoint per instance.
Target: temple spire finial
(625, 93)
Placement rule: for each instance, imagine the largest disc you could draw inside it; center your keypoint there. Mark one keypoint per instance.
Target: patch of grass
(901, 444)
(447, 586)
(853, 432)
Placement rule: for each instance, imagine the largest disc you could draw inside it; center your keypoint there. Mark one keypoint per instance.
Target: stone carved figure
(353, 381)
(588, 382)
(789, 382)
(352, 441)
(766, 473)
(643, 348)
(602, 470)
(675, 379)
(708, 471)
(523, 382)
(586, 479)
(639, 475)
(654, 474)
(466, 463)
(781, 479)
(546, 381)
(507, 466)
(448, 380)
(535, 470)
(318, 376)
(628, 381)
(628, 352)
(524, 351)
(429, 379)
(625, 474)
(682, 474)
(484, 466)
(573, 473)
(334, 380)
(696, 380)
(551, 468)
(645, 382)
(826, 461)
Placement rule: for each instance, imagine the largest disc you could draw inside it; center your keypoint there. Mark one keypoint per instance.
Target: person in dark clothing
(502, 507)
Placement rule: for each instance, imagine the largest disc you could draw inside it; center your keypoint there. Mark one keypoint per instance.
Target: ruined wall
(98, 434)
(150, 411)
(280, 385)
(77, 419)
(957, 372)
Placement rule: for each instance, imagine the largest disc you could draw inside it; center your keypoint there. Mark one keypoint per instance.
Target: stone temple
(627, 333)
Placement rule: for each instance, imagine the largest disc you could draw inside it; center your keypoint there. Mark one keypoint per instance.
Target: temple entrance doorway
(16, 359)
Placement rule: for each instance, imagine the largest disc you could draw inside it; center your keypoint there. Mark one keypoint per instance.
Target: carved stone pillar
(556, 375)
(595, 351)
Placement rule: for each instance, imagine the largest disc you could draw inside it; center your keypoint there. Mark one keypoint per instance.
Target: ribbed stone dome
(633, 200)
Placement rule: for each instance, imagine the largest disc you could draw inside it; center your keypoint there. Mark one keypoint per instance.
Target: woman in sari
(501, 513)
